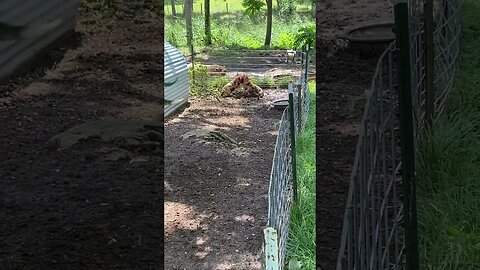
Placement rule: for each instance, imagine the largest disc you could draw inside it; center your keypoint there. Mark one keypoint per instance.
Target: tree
(208, 30)
(188, 11)
(188, 21)
(305, 36)
(252, 7)
(268, 36)
(174, 12)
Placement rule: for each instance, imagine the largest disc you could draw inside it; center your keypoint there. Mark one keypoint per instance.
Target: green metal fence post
(291, 111)
(406, 134)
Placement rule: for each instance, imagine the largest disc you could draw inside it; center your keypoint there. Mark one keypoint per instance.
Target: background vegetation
(238, 29)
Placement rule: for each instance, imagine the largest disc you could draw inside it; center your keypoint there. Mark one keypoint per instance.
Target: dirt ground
(343, 79)
(80, 208)
(216, 190)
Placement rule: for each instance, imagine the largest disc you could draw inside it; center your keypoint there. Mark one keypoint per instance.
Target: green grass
(198, 6)
(301, 243)
(236, 31)
(217, 6)
(449, 166)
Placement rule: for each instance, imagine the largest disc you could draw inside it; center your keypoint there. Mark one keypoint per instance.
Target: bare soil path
(81, 208)
(343, 79)
(216, 190)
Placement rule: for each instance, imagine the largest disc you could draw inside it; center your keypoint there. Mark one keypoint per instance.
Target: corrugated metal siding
(14, 53)
(175, 68)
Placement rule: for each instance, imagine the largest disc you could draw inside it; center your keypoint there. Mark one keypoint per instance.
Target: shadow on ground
(216, 192)
(73, 209)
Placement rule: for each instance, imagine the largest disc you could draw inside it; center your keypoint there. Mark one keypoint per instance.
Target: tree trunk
(208, 30)
(174, 12)
(188, 22)
(268, 35)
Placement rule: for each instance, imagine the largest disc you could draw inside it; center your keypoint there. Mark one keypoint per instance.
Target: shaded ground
(343, 79)
(77, 209)
(216, 190)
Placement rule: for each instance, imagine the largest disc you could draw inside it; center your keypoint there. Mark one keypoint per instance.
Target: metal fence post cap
(290, 87)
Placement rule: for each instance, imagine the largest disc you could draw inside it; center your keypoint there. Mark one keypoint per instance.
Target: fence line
(374, 226)
(282, 183)
(372, 238)
(446, 45)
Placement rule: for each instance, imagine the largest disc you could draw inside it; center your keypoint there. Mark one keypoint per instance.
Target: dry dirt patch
(216, 191)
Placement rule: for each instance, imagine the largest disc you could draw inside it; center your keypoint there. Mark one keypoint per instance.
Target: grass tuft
(449, 166)
(301, 242)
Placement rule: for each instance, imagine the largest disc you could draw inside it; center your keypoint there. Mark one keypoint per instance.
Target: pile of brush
(241, 86)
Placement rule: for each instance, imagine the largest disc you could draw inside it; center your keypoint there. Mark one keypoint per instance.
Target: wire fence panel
(373, 230)
(372, 237)
(447, 47)
(304, 87)
(281, 193)
(446, 43)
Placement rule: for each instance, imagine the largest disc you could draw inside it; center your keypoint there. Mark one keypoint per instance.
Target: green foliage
(253, 7)
(448, 166)
(200, 82)
(285, 8)
(302, 240)
(305, 36)
(234, 31)
(286, 40)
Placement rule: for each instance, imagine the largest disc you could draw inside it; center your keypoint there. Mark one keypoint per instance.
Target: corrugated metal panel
(14, 53)
(175, 70)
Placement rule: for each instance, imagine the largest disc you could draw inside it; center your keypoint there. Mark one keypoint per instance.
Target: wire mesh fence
(374, 230)
(268, 69)
(446, 50)
(372, 237)
(282, 179)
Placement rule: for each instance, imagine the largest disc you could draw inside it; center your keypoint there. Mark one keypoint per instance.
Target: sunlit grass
(302, 241)
(218, 6)
(236, 31)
